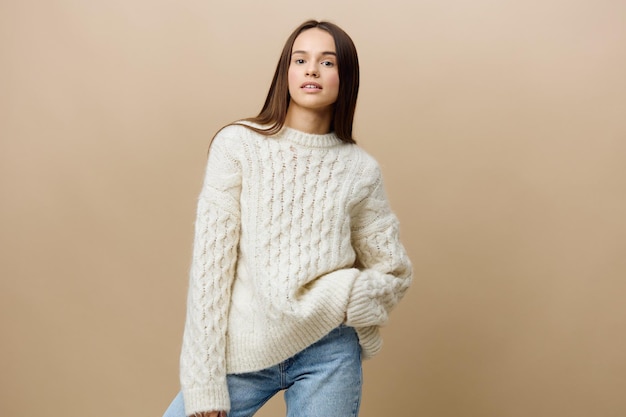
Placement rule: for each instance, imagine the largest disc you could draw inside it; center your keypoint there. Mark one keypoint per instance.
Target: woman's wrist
(209, 414)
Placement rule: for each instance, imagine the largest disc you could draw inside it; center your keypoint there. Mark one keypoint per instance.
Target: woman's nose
(312, 71)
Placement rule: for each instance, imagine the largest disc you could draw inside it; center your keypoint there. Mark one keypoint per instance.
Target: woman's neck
(309, 121)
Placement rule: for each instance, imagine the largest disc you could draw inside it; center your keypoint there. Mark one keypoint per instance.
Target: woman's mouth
(311, 86)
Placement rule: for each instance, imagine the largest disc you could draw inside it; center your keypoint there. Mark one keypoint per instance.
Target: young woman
(296, 259)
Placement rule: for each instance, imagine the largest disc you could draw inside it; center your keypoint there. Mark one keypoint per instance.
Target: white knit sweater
(293, 234)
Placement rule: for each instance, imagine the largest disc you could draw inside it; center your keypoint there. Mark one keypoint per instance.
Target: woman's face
(313, 75)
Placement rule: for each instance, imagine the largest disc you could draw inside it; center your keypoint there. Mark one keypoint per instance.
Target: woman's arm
(385, 269)
(217, 229)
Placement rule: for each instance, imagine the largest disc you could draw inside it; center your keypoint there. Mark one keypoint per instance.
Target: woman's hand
(210, 414)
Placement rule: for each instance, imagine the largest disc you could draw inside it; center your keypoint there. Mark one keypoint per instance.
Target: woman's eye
(299, 61)
(328, 63)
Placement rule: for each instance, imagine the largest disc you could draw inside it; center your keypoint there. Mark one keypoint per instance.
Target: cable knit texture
(294, 235)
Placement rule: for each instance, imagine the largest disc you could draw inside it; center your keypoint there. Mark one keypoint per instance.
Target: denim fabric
(324, 379)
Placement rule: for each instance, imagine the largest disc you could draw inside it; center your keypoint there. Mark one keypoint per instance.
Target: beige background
(500, 127)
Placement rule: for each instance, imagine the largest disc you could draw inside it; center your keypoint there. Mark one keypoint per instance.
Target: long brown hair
(274, 111)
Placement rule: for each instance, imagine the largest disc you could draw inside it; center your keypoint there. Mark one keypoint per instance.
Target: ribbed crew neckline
(310, 140)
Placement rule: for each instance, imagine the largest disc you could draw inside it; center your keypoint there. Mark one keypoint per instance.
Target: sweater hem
(256, 350)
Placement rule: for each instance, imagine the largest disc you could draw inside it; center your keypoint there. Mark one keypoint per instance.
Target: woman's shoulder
(232, 136)
(235, 130)
(367, 164)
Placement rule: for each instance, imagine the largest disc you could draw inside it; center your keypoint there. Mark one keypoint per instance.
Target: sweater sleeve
(385, 269)
(217, 228)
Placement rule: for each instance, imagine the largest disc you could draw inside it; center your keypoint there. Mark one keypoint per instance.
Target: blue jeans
(324, 379)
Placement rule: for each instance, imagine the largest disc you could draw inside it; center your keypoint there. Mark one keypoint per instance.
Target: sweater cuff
(210, 398)
(364, 309)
